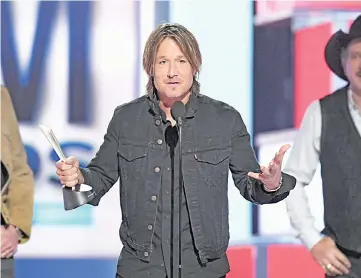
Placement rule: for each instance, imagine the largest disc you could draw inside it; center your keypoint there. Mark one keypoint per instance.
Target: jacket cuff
(22, 236)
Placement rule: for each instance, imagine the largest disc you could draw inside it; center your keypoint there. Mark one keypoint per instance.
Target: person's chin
(173, 94)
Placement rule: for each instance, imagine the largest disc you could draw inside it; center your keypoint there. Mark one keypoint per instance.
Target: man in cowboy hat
(330, 134)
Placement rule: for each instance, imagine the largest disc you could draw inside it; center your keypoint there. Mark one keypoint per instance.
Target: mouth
(173, 83)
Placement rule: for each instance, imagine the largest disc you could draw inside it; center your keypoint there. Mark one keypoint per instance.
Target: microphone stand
(180, 125)
(178, 112)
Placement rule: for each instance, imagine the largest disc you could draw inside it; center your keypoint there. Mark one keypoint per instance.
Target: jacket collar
(155, 110)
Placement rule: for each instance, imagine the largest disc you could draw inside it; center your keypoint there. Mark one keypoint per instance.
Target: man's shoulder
(216, 105)
(335, 96)
(5, 95)
(131, 105)
(327, 100)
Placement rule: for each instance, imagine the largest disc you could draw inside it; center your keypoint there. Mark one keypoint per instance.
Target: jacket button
(157, 122)
(160, 141)
(150, 227)
(154, 198)
(146, 254)
(156, 169)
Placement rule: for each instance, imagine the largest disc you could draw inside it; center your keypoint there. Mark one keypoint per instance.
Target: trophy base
(77, 196)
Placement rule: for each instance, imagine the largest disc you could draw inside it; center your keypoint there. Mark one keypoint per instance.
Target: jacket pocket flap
(132, 152)
(212, 156)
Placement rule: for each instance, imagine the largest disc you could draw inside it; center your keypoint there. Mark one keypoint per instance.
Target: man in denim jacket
(141, 149)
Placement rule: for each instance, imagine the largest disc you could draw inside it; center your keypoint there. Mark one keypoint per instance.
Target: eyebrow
(354, 52)
(164, 57)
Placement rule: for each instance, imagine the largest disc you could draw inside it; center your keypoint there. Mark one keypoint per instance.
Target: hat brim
(333, 50)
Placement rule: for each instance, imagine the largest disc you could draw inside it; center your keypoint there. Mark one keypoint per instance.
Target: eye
(353, 56)
(183, 61)
(162, 62)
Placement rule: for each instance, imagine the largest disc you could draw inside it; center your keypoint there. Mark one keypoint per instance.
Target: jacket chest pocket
(132, 160)
(213, 165)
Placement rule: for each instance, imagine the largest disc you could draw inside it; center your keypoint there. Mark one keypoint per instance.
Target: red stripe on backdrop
(242, 260)
(286, 261)
(332, 5)
(312, 76)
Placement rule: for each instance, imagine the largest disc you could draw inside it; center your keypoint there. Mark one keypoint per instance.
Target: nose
(172, 71)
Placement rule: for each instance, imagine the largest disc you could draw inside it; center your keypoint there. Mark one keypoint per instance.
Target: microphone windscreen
(178, 110)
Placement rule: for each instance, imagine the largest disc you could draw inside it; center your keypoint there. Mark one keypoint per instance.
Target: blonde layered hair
(186, 42)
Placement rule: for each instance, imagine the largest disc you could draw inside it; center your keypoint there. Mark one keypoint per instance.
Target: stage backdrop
(69, 64)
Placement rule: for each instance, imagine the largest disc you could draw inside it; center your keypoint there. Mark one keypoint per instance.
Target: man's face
(173, 74)
(352, 66)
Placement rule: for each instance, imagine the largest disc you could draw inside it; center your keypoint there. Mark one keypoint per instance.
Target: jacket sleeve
(102, 172)
(243, 160)
(21, 187)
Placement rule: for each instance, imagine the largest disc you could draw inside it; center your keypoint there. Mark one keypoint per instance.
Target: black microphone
(178, 112)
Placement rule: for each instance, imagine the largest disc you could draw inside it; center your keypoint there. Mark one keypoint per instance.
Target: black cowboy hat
(336, 43)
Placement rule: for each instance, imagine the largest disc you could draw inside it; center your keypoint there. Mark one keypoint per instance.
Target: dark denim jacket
(214, 141)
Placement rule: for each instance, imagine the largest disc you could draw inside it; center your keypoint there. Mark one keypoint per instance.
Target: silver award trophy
(78, 195)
